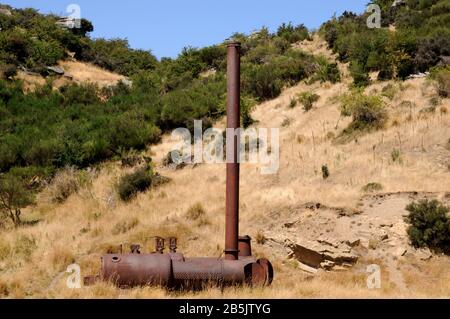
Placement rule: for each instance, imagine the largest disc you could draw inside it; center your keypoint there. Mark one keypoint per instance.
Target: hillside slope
(74, 72)
(296, 203)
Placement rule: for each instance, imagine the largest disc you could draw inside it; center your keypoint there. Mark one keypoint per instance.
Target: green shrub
(389, 91)
(431, 48)
(8, 71)
(429, 225)
(262, 81)
(293, 33)
(326, 71)
(247, 105)
(44, 53)
(195, 212)
(287, 121)
(442, 78)
(360, 76)
(396, 156)
(265, 81)
(130, 185)
(368, 112)
(79, 94)
(125, 226)
(325, 172)
(130, 130)
(372, 187)
(293, 103)
(308, 99)
(116, 55)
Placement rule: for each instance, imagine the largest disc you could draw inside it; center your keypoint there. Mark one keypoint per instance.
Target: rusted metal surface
(129, 270)
(254, 274)
(172, 269)
(245, 246)
(268, 270)
(233, 122)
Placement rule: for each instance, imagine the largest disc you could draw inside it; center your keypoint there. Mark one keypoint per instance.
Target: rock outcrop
(322, 253)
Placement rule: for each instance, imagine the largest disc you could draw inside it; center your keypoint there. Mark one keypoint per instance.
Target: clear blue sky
(166, 26)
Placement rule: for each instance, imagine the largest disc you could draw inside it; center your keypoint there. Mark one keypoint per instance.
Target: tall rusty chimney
(173, 269)
(233, 122)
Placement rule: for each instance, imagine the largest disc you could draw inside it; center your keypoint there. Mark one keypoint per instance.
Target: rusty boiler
(173, 269)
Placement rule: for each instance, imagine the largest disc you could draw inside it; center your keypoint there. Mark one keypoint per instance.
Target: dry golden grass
(93, 221)
(80, 72)
(86, 72)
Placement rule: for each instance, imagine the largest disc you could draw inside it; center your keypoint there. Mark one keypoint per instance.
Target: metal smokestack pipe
(233, 122)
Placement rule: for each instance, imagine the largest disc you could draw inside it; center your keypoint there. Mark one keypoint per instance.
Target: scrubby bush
(308, 99)
(43, 53)
(367, 112)
(431, 48)
(389, 91)
(65, 183)
(195, 212)
(429, 225)
(266, 81)
(293, 103)
(132, 158)
(360, 76)
(8, 71)
(442, 78)
(326, 71)
(79, 94)
(125, 226)
(130, 185)
(116, 55)
(325, 172)
(372, 187)
(396, 156)
(292, 33)
(262, 81)
(130, 130)
(287, 121)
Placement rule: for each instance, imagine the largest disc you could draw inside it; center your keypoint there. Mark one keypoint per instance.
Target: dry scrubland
(93, 221)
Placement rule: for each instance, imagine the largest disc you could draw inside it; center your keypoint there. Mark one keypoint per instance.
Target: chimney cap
(233, 43)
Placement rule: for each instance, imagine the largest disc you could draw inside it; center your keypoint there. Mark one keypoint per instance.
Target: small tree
(429, 225)
(13, 197)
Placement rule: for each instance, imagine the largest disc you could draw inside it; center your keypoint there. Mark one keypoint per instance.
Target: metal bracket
(135, 249)
(159, 243)
(173, 244)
